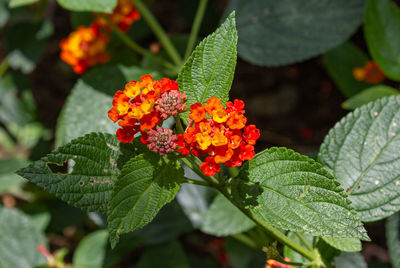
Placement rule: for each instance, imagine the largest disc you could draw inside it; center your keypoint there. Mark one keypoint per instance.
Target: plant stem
(3, 67)
(195, 27)
(134, 46)
(271, 231)
(303, 240)
(246, 240)
(178, 124)
(197, 182)
(158, 31)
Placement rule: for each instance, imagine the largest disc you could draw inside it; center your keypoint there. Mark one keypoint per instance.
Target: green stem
(134, 46)
(158, 31)
(276, 234)
(245, 240)
(233, 171)
(303, 240)
(3, 67)
(195, 27)
(197, 182)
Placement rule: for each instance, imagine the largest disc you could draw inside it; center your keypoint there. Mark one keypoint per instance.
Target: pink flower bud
(161, 140)
(171, 103)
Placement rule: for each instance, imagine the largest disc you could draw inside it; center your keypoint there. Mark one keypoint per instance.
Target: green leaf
(19, 3)
(223, 219)
(19, 239)
(273, 33)
(81, 19)
(106, 6)
(340, 63)
(243, 256)
(82, 173)
(382, 23)
(209, 70)
(393, 239)
(4, 13)
(8, 179)
(91, 251)
(350, 260)
(344, 244)
(293, 255)
(362, 152)
(368, 95)
(86, 108)
(293, 192)
(147, 182)
(167, 255)
(25, 46)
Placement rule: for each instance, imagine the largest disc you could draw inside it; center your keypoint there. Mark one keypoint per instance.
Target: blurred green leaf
(81, 19)
(89, 5)
(243, 256)
(293, 255)
(273, 33)
(168, 255)
(368, 95)
(340, 63)
(393, 239)
(8, 179)
(19, 239)
(86, 107)
(4, 13)
(382, 23)
(223, 218)
(91, 251)
(25, 45)
(350, 260)
(19, 3)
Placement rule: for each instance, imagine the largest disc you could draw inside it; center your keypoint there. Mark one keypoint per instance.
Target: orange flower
(124, 14)
(220, 133)
(369, 73)
(84, 48)
(137, 107)
(275, 264)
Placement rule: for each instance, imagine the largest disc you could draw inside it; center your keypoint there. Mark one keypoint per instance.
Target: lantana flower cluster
(220, 134)
(370, 73)
(217, 133)
(142, 106)
(86, 46)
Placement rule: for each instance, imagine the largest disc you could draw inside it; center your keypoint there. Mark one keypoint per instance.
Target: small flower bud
(161, 140)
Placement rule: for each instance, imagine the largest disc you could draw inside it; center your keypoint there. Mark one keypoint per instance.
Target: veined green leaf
(382, 23)
(293, 192)
(106, 6)
(280, 32)
(344, 244)
(19, 238)
(147, 182)
(223, 219)
(393, 239)
(368, 95)
(209, 70)
(362, 151)
(82, 172)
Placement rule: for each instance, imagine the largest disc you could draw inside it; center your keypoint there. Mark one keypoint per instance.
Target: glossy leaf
(86, 108)
(293, 192)
(382, 23)
(91, 251)
(340, 63)
(167, 255)
(209, 70)
(147, 182)
(368, 95)
(393, 239)
(19, 239)
(273, 33)
(89, 5)
(223, 219)
(82, 173)
(362, 152)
